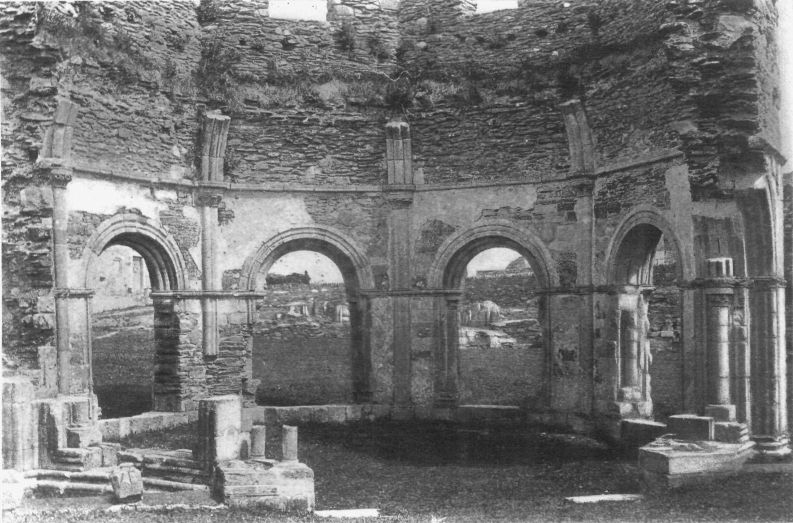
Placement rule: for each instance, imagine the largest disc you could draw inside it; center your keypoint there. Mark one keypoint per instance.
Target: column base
(632, 409)
(772, 449)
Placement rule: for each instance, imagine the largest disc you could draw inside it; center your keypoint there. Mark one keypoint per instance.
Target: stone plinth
(20, 444)
(691, 427)
(669, 462)
(284, 486)
(219, 426)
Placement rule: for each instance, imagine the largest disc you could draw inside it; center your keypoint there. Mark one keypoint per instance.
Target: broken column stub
(20, 449)
(219, 426)
(691, 427)
(258, 440)
(289, 443)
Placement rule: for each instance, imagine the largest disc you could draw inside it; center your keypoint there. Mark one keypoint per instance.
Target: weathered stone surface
(284, 486)
(127, 483)
(691, 427)
(13, 489)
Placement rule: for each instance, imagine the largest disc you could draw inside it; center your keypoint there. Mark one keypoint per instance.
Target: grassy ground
(422, 471)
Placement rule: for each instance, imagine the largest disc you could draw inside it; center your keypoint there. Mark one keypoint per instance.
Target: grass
(425, 470)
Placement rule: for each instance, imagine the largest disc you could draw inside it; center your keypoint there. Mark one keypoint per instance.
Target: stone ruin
(214, 139)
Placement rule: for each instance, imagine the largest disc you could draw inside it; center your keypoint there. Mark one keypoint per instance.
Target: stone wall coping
(89, 169)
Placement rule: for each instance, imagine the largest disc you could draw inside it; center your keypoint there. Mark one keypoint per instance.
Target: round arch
(345, 253)
(159, 251)
(631, 248)
(454, 254)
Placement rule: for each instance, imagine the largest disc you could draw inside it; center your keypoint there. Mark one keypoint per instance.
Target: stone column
(769, 367)
(448, 395)
(788, 268)
(214, 132)
(360, 321)
(629, 350)
(719, 301)
(60, 177)
(208, 206)
(399, 253)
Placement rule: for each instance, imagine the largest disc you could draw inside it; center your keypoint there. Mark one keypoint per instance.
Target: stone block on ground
(127, 483)
(670, 462)
(13, 489)
(640, 432)
(731, 432)
(110, 454)
(283, 486)
(691, 427)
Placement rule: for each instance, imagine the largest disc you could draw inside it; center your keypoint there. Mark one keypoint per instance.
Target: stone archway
(447, 273)
(354, 365)
(124, 251)
(647, 316)
(163, 258)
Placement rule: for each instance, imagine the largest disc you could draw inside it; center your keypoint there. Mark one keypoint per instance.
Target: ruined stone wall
(28, 103)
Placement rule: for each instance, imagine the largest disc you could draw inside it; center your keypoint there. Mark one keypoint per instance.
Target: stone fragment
(12, 491)
(127, 483)
(639, 432)
(691, 427)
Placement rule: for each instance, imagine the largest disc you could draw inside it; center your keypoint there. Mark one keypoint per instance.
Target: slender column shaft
(60, 222)
(630, 352)
(453, 346)
(209, 220)
(719, 348)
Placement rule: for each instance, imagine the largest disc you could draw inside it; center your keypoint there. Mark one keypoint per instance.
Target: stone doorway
(501, 343)
(648, 338)
(125, 264)
(515, 374)
(316, 328)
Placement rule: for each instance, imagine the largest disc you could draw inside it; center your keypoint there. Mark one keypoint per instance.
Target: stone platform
(671, 462)
(287, 486)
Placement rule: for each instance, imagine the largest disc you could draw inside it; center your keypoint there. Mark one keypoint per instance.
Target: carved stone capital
(60, 176)
(203, 199)
(399, 199)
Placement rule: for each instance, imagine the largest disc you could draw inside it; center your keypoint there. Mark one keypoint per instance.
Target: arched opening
(122, 273)
(307, 337)
(499, 319)
(647, 269)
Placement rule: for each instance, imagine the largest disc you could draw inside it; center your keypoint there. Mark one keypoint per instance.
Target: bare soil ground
(431, 471)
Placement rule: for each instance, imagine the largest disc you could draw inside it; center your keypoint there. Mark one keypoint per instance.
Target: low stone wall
(115, 429)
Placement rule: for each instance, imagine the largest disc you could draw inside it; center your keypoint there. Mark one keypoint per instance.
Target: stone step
(178, 474)
(77, 459)
(162, 484)
(61, 487)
